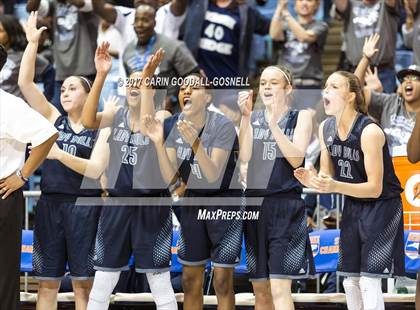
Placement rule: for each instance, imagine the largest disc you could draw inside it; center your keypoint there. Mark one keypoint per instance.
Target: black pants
(10, 248)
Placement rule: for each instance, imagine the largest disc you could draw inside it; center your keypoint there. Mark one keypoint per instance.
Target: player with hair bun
(64, 231)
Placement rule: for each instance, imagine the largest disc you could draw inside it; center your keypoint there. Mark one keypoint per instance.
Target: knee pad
(102, 288)
(162, 291)
(353, 294)
(371, 289)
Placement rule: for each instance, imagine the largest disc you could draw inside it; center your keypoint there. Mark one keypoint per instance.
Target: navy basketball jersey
(218, 132)
(269, 173)
(59, 179)
(133, 168)
(348, 159)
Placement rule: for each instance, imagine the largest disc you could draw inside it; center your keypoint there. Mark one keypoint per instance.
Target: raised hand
(111, 104)
(154, 129)
(369, 47)
(283, 4)
(187, 131)
(152, 63)
(103, 60)
(245, 102)
(32, 33)
(372, 80)
(283, 7)
(278, 107)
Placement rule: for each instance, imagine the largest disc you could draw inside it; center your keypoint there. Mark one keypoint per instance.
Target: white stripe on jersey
(212, 45)
(221, 19)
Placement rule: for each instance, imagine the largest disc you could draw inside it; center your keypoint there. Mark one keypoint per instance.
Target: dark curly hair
(14, 30)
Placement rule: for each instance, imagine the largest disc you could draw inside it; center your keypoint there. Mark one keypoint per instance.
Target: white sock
(162, 291)
(103, 285)
(372, 293)
(353, 293)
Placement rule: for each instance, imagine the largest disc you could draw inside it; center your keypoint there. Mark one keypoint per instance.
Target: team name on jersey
(73, 139)
(124, 135)
(344, 152)
(183, 153)
(266, 134)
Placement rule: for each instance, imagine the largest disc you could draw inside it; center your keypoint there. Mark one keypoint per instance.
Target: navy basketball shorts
(142, 231)
(209, 234)
(277, 245)
(372, 239)
(64, 234)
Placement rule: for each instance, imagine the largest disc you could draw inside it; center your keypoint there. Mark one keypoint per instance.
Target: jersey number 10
(69, 148)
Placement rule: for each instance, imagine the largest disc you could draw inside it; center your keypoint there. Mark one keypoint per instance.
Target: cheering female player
(144, 231)
(273, 142)
(355, 162)
(200, 151)
(64, 232)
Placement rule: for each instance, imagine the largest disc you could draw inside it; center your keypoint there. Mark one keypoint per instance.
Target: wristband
(20, 175)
